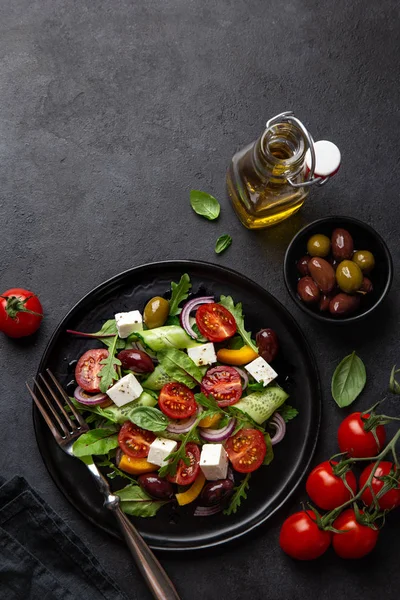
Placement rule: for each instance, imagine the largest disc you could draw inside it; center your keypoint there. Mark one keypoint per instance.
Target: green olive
(349, 276)
(365, 260)
(319, 245)
(156, 312)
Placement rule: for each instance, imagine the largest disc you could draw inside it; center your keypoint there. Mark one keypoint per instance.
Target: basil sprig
(205, 205)
(223, 242)
(348, 380)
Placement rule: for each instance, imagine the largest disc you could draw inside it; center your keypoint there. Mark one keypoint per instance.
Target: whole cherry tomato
(355, 441)
(20, 313)
(301, 538)
(355, 540)
(326, 489)
(389, 500)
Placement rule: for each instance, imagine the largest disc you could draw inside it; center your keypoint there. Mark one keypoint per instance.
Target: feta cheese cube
(160, 449)
(261, 371)
(214, 462)
(203, 354)
(125, 390)
(128, 322)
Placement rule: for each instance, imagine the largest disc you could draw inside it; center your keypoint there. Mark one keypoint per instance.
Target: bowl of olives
(338, 269)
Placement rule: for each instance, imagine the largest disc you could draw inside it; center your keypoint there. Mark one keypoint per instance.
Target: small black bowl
(365, 238)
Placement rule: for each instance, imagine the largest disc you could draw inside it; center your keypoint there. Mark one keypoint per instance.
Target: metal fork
(66, 431)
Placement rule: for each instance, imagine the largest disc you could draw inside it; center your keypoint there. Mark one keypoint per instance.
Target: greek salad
(182, 402)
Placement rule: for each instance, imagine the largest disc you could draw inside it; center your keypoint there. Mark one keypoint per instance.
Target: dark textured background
(110, 112)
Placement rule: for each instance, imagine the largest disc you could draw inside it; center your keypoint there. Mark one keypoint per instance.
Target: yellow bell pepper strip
(136, 466)
(193, 492)
(236, 357)
(210, 421)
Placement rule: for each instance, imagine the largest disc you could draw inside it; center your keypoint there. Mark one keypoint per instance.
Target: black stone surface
(110, 112)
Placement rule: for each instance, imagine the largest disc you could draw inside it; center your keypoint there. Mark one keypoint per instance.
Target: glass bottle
(269, 180)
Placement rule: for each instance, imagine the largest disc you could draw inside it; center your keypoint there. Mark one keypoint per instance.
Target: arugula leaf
(239, 494)
(135, 501)
(394, 385)
(149, 418)
(208, 402)
(348, 380)
(109, 372)
(287, 412)
(204, 204)
(180, 367)
(236, 311)
(222, 243)
(180, 291)
(95, 441)
(115, 472)
(269, 456)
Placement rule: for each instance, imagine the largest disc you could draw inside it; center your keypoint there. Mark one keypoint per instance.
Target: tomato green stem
(15, 305)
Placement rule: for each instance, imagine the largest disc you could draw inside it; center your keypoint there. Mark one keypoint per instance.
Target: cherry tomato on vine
(301, 538)
(20, 313)
(328, 490)
(356, 540)
(355, 441)
(389, 500)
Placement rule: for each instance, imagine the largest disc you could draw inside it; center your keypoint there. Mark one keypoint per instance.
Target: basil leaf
(180, 291)
(239, 494)
(348, 380)
(269, 456)
(287, 412)
(223, 242)
(149, 418)
(95, 441)
(108, 372)
(236, 311)
(205, 205)
(180, 367)
(134, 501)
(394, 385)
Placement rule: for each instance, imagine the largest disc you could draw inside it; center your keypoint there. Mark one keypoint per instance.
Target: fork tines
(50, 398)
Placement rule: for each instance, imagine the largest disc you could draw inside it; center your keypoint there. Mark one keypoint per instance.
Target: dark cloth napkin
(41, 558)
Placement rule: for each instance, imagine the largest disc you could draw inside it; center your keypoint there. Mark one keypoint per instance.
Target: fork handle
(156, 578)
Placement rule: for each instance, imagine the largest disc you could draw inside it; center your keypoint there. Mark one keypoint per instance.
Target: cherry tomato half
(88, 368)
(186, 474)
(358, 443)
(389, 500)
(224, 384)
(177, 401)
(246, 450)
(356, 540)
(301, 538)
(326, 489)
(215, 322)
(20, 313)
(134, 441)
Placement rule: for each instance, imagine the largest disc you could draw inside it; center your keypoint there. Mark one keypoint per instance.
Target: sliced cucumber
(157, 379)
(162, 338)
(260, 406)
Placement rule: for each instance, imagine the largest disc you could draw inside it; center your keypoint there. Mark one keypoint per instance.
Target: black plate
(270, 486)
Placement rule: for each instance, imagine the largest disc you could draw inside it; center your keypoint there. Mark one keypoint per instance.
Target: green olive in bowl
(349, 276)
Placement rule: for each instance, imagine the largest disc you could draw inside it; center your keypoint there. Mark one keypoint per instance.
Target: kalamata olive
(349, 276)
(318, 245)
(216, 492)
(323, 274)
(344, 304)
(366, 286)
(342, 244)
(324, 303)
(156, 312)
(136, 360)
(308, 290)
(302, 265)
(267, 344)
(365, 260)
(155, 486)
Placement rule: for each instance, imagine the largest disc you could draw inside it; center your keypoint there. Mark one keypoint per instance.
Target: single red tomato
(186, 474)
(177, 401)
(134, 441)
(326, 489)
(215, 322)
(88, 368)
(301, 538)
(246, 450)
(223, 384)
(20, 313)
(355, 441)
(389, 500)
(356, 540)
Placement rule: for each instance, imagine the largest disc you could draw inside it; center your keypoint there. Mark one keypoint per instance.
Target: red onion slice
(184, 425)
(81, 396)
(244, 376)
(207, 511)
(190, 307)
(218, 435)
(279, 423)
